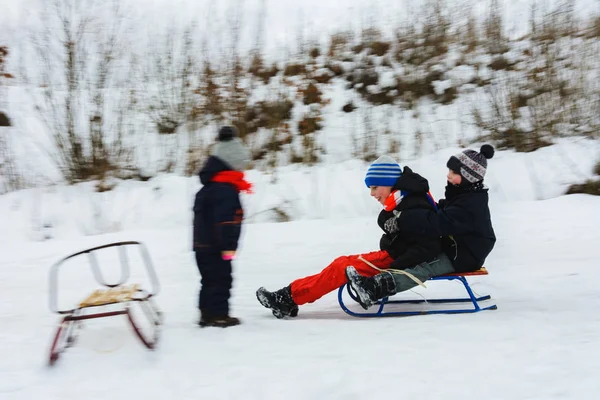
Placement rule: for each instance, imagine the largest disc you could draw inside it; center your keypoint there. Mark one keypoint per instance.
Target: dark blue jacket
(409, 249)
(463, 220)
(218, 213)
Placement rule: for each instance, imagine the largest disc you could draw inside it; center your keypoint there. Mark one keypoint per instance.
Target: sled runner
(113, 299)
(462, 277)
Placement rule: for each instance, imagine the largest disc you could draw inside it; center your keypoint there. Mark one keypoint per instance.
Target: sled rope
(394, 271)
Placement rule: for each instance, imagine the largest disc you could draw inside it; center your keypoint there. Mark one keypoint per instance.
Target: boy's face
(380, 192)
(454, 178)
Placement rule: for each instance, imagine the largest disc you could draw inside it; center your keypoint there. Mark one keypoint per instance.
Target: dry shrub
(594, 30)
(258, 69)
(597, 168)
(4, 120)
(500, 63)
(338, 42)
(309, 125)
(323, 77)
(311, 94)
(589, 187)
(294, 69)
(336, 68)
(268, 114)
(380, 48)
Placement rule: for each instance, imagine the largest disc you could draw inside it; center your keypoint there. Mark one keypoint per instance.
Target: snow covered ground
(541, 343)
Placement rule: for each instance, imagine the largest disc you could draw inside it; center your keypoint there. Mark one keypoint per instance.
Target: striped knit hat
(470, 164)
(384, 171)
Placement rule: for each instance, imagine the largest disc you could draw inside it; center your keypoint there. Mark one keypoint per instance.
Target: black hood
(213, 166)
(411, 182)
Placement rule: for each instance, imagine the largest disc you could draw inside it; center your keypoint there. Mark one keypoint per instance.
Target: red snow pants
(311, 288)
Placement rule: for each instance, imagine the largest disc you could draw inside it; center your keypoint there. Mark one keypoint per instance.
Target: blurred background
(111, 91)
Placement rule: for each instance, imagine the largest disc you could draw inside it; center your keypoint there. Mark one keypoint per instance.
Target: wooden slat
(481, 271)
(110, 296)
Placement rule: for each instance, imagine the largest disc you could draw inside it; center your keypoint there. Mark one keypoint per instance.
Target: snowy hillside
(404, 78)
(331, 191)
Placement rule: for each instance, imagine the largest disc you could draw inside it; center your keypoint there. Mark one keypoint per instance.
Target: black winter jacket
(463, 220)
(408, 249)
(218, 212)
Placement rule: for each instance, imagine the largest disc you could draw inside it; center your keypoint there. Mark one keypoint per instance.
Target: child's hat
(470, 164)
(384, 171)
(230, 149)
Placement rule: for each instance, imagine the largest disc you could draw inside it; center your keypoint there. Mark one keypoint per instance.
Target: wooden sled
(119, 297)
(462, 277)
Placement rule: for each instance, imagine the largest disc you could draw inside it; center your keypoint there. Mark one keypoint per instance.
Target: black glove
(385, 242)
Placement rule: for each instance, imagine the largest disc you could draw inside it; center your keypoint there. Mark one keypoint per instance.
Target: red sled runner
(119, 296)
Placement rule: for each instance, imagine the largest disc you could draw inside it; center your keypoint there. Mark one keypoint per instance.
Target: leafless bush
(527, 116)
(550, 26)
(552, 94)
(469, 34)
(77, 87)
(10, 178)
(171, 86)
(338, 42)
(426, 37)
(588, 187)
(365, 145)
(4, 75)
(594, 29)
(493, 27)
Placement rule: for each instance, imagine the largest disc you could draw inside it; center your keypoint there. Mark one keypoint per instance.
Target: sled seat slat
(101, 297)
(480, 271)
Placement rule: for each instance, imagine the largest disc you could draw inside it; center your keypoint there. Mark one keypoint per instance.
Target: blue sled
(380, 313)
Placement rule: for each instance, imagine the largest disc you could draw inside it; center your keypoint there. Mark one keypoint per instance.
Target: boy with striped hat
(400, 192)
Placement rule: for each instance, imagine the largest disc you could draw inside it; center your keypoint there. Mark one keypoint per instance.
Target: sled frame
(112, 299)
(461, 277)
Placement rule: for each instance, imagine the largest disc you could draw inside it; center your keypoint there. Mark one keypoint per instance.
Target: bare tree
(76, 79)
(4, 75)
(171, 81)
(9, 176)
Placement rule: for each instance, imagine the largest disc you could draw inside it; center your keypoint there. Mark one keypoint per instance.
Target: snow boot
(280, 301)
(223, 321)
(370, 289)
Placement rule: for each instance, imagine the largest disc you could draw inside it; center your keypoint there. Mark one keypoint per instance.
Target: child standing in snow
(399, 192)
(462, 219)
(218, 216)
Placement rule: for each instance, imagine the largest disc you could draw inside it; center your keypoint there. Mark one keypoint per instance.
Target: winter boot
(280, 301)
(223, 321)
(370, 289)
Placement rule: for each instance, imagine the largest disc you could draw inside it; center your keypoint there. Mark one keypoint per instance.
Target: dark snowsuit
(408, 250)
(218, 218)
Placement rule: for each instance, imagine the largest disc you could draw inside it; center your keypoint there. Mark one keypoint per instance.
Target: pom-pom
(227, 133)
(487, 151)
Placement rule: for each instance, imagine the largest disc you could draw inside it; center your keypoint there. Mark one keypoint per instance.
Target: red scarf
(396, 197)
(236, 178)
